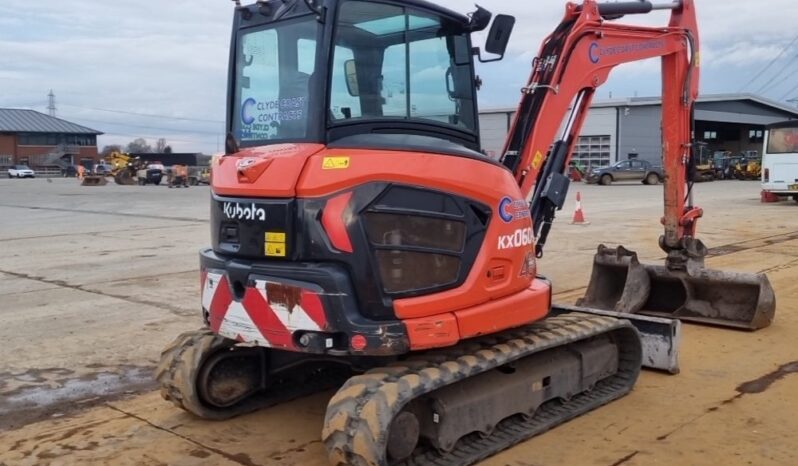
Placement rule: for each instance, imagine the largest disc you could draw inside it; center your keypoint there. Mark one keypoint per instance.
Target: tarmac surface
(94, 282)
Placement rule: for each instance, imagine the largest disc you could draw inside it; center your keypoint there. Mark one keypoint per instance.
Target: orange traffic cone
(579, 215)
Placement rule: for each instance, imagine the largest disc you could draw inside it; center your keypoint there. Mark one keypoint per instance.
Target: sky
(158, 68)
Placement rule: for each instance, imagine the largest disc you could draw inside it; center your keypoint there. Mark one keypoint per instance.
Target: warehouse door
(592, 151)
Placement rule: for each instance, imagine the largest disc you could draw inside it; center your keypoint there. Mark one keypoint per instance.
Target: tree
(160, 146)
(138, 146)
(110, 148)
(167, 150)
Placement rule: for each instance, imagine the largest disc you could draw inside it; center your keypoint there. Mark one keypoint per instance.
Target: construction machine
(705, 163)
(360, 237)
(124, 168)
(748, 166)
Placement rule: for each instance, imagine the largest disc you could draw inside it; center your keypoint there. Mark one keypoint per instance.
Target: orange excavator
(361, 240)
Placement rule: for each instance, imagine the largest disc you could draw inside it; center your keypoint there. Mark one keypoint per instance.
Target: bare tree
(138, 146)
(160, 146)
(107, 150)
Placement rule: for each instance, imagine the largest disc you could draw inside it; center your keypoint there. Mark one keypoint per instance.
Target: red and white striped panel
(268, 315)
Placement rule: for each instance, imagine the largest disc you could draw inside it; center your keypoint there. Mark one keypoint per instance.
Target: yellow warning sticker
(538, 160)
(275, 244)
(275, 249)
(274, 237)
(335, 163)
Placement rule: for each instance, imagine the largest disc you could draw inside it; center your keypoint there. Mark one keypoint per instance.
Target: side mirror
(499, 37)
(350, 70)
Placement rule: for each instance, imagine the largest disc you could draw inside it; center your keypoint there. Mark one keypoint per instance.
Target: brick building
(33, 138)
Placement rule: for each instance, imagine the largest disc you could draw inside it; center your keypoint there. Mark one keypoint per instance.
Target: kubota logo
(235, 211)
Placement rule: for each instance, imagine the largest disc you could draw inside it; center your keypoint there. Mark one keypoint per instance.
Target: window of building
(593, 151)
(6, 159)
(756, 135)
(54, 139)
(710, 135)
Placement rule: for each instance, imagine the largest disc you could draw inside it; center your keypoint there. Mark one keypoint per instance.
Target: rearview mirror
(350, 71)
(499, 36)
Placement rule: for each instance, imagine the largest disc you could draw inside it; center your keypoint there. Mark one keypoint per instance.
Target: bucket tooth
(728, 299)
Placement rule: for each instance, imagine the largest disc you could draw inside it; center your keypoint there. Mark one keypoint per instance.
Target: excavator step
(375, 418)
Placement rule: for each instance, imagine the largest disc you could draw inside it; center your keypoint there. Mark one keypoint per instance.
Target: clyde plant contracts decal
(520, 238)
(237, 211)
(511, 210)
(596, 52)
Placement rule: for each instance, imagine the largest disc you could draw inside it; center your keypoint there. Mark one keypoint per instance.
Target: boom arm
(575, 60)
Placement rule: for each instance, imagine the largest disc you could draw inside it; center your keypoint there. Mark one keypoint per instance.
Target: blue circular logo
(503, 213)
(246, 118)
(591, 52)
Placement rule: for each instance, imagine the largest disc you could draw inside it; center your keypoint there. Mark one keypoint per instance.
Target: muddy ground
(95, 281)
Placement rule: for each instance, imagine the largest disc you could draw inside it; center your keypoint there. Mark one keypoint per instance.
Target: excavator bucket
(125, 178)
(620, 283)
(94, 180)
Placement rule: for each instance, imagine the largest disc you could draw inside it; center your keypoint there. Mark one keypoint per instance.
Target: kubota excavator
(359, 237)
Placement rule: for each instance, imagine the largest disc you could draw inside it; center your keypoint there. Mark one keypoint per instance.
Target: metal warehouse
(32, 138)
(617, 128)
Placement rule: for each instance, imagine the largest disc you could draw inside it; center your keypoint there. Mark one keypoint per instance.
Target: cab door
(637, 171)
(622, 171)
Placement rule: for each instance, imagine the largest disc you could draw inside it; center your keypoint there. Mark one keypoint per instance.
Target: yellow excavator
(122, 167)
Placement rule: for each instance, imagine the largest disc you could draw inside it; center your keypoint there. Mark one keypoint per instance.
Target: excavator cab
(328, 71)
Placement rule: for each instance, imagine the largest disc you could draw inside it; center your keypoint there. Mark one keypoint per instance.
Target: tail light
(415, 253)
(334, 224)
(766, 175)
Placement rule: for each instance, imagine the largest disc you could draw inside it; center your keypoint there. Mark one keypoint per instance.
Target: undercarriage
(452, 406)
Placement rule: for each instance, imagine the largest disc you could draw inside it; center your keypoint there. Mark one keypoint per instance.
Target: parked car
(627, 170)
(102, 169)
(21, 171)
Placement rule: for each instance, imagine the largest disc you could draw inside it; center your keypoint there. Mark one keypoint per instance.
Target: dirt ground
(95, 281)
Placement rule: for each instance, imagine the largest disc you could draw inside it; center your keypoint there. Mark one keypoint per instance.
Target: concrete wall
(641, 133)
(493, 129)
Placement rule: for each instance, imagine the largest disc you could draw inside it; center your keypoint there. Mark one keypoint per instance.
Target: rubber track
(182, 360)
(359, 415)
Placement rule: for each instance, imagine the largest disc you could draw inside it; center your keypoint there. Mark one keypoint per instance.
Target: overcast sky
(117, 66)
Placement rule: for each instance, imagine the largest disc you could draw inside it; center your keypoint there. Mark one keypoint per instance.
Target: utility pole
(51, 103)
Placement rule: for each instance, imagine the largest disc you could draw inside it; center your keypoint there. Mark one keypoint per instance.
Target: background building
(614, 129)
(33, 138)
